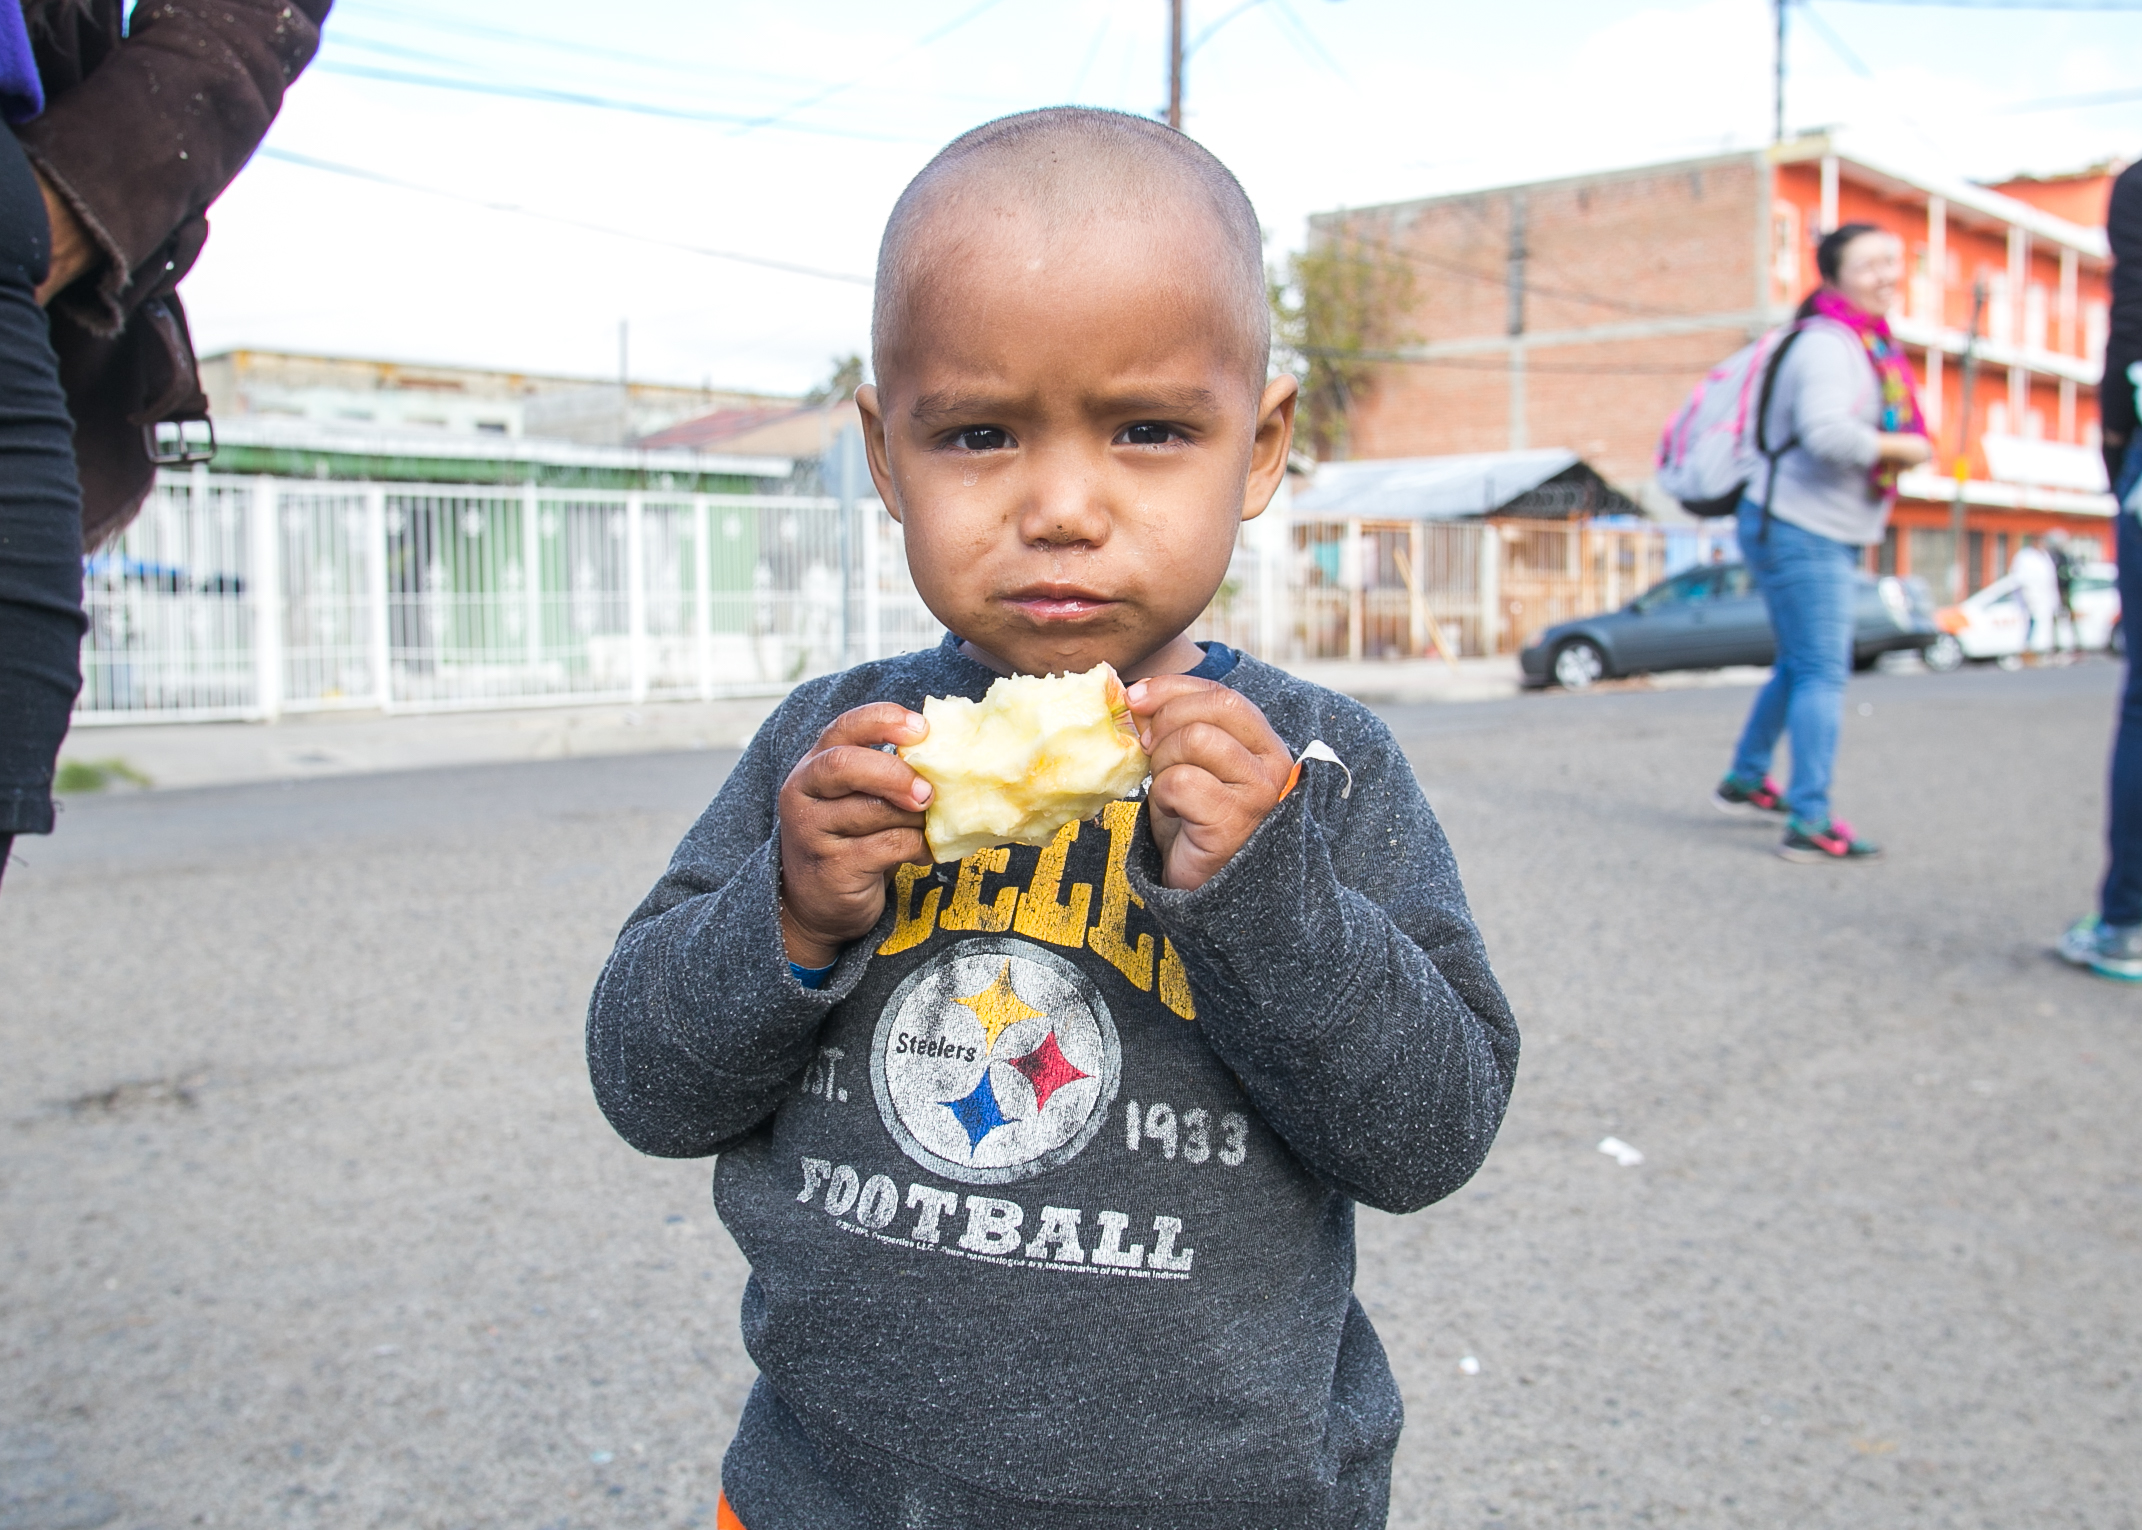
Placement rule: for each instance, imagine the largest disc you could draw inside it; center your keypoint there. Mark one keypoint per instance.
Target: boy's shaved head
(1070, 168)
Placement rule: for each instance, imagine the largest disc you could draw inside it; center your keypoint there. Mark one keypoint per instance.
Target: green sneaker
(1833, 841)
(2109, 950)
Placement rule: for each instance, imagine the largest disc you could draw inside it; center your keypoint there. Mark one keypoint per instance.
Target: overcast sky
(785, 132)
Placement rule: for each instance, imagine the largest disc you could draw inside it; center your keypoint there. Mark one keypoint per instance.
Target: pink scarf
(1892, 369)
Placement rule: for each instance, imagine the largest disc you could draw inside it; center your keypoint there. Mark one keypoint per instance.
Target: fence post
(868, 528)
(532, 579)
(636, 591)
(1352, 576)
(264, 553)
(1490, 588)
(1417, 588)
(703, 592)
(375, 538)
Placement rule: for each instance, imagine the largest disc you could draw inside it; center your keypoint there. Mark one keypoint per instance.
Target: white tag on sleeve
(1317, 749)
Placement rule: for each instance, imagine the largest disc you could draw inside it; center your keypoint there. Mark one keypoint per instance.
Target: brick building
(1577, 313)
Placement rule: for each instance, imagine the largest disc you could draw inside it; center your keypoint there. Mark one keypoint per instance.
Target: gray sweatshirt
(1048, 1191)
(1828, 401)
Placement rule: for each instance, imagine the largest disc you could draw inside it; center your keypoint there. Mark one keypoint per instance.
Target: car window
(2091, 583)
(1681, 589)
(1733, 581)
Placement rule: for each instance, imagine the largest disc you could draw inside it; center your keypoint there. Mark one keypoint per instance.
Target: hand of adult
(1904, 450)
(73, 251)
(850, 813)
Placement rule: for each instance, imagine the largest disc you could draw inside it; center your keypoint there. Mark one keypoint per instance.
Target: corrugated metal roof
(1428, 488)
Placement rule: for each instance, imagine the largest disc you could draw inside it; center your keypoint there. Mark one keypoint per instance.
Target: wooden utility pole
(1959, 571)
(1777, 97)
(1175, 64)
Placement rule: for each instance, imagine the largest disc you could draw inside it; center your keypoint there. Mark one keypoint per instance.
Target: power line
(308, 162)
(576, 98)
(924, 41)
(2052, 103)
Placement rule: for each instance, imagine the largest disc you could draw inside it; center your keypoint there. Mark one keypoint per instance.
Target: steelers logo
(995, 1062)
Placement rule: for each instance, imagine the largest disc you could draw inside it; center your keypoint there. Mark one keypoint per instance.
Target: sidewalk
(173, 755)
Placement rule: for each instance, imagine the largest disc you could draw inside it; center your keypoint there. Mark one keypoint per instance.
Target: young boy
(1045, 1160)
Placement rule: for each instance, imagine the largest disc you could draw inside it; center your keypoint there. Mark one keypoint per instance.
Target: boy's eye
(1146, 433)
(983, 438)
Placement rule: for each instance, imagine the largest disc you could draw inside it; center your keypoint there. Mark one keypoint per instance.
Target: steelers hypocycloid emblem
(995, 1062)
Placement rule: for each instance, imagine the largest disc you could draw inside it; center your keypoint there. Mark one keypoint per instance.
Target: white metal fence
(252, 596)
(248, 597)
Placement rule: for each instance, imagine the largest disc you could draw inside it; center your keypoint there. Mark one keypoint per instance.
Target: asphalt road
(310, 1219)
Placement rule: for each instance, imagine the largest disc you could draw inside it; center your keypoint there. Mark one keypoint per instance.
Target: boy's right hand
(850, 813)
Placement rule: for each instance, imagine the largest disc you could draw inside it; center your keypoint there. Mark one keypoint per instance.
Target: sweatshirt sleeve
(1828, 383)
(1336, 968)
(697, 1025)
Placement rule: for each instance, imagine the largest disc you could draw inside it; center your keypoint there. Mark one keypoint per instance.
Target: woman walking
(1845, 400)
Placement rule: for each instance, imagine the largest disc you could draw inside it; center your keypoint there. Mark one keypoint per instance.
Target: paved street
(311, 1220)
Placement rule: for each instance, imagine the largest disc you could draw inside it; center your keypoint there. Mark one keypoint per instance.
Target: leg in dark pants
(2120, 901)
(41, 619)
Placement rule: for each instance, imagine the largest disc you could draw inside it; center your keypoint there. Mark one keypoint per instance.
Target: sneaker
(2109, 950)
(1834, 841)
(1734, 795)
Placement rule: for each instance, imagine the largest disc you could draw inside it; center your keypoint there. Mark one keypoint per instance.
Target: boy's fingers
(849, 770)
(1150, 694)
(1208, 750)
(881, 722)
(1194, 727)
(859, 817)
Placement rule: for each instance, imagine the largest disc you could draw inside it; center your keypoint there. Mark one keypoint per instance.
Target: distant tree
(847, 377)
(1337, 308)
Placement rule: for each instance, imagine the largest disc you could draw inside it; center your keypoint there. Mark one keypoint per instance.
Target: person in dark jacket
(124, 131)
(2109, 942)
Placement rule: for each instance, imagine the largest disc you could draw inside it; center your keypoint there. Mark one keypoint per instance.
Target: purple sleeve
(22, 94)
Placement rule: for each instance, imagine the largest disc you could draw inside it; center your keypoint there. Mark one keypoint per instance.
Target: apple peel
(1035, 753)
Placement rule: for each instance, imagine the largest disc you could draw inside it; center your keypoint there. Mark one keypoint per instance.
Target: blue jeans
(2120, 900)
(1806, 582)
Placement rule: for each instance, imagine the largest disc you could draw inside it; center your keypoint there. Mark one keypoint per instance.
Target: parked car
(1710, 617)
(1995, 624)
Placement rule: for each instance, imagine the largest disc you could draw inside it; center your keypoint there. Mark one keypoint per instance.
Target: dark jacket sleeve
(1337, 970)
(155, 129)
(697, 1026)
(2116, 394)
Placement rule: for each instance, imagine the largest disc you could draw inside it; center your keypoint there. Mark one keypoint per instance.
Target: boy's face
(1069, 433)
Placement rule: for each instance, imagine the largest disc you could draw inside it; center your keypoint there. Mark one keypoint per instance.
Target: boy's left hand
(1218, 769)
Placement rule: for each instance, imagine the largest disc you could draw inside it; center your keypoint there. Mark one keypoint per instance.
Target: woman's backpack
(1714, 446)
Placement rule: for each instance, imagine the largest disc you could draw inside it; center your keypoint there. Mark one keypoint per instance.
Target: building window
(2034, 317)
(1997, 418)
(2097, 325)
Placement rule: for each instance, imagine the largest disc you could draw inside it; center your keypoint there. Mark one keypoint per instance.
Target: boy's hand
(1218, 769)
(849, 813)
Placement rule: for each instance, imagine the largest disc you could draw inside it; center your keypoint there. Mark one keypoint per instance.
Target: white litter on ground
(1620, 1151)
(1470, 1365)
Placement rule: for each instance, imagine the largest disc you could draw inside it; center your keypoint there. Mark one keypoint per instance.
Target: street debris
(1620, 1151)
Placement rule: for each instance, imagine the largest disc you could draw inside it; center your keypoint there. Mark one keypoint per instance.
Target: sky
(785, 132)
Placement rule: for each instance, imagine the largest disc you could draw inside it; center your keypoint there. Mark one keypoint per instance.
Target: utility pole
(1175, 64)
(1959, 570)
(1514, 319)
(1777, 124)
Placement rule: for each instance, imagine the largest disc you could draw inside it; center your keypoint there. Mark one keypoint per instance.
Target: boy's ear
(866, 406)
(1275, 438)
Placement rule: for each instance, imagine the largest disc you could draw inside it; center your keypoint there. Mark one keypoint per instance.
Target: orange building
(1578, 313)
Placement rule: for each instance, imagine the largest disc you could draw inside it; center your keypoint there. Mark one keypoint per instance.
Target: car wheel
(1943, 654)
(1862, 662)
(1578, 663)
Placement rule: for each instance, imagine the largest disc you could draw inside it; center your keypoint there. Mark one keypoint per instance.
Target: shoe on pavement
(1735, 795)
(1833, 841)
(2109, 950)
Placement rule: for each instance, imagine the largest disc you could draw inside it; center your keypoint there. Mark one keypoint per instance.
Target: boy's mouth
(1057, 602)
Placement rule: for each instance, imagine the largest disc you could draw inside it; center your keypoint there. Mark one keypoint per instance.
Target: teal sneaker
(1761, 797)
(1833, 841)
(2109, 950)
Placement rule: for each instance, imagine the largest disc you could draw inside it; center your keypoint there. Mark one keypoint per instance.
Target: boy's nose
(1066, 506)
